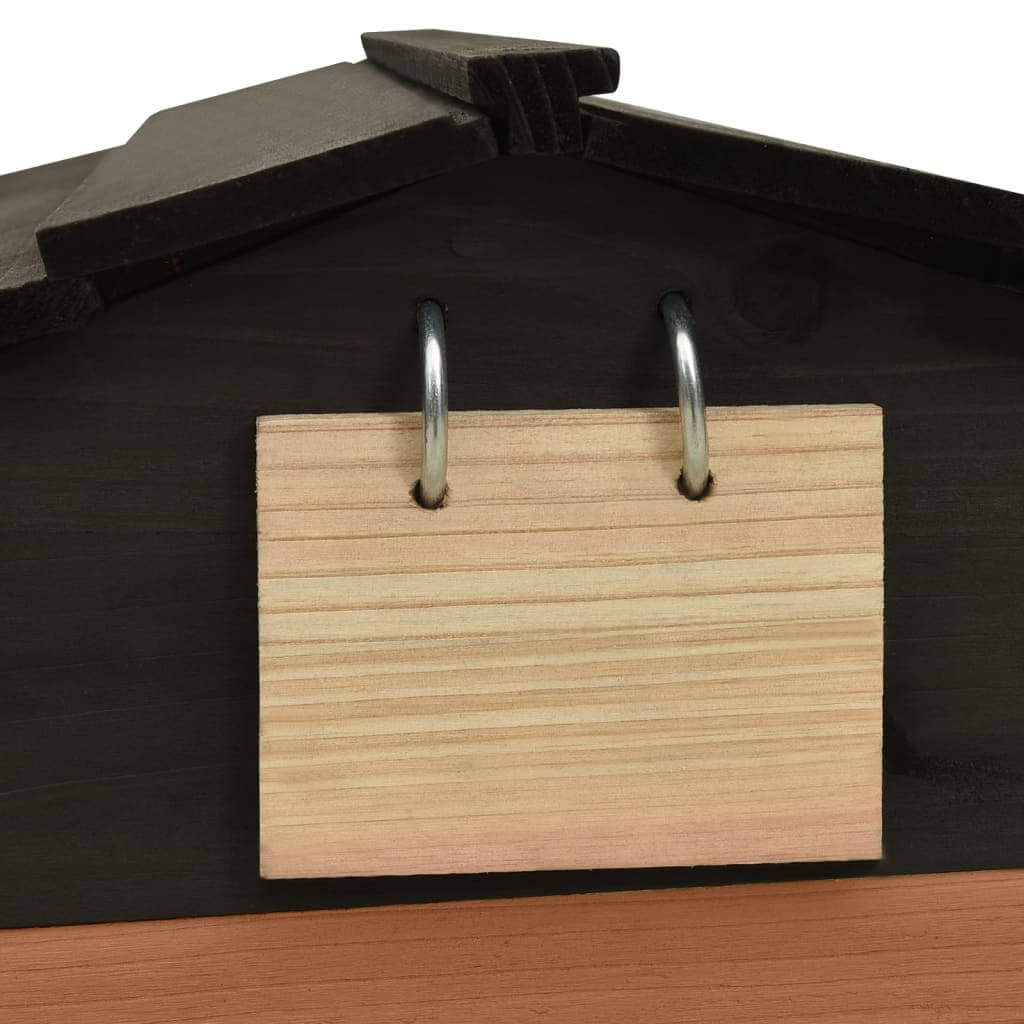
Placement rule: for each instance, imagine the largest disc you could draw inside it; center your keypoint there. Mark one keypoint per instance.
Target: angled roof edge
(30, 303)
(529, 87)
(268, 156)
(208, 179)
(953, 225)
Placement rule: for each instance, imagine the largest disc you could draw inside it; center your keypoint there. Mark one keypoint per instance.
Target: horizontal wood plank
(911, 950)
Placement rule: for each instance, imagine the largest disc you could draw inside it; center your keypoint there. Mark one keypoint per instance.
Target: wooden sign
(569, 665)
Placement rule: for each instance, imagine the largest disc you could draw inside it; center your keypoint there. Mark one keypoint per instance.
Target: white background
(937, 85)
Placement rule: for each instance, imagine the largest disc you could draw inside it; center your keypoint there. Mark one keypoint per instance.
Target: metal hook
(695, 475)
(433, 482)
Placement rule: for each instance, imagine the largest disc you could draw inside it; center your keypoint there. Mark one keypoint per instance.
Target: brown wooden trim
(912, 949)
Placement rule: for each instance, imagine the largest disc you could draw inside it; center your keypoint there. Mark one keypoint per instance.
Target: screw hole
(708, 487)
(417, 495)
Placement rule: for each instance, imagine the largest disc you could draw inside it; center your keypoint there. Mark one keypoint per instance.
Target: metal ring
(695, 475)
(433, 482)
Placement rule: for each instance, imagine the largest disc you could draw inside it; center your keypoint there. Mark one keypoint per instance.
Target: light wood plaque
(569, 665)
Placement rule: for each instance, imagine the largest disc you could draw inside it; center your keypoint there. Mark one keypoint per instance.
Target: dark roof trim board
(531, 88)
(271, 155)
(953, 224)
(30, 302)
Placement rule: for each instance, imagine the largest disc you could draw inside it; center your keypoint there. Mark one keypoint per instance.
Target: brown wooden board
(30, 303)
(128, 615)
(529, 86)
(912, 950)
(954, 225)
(268, 156)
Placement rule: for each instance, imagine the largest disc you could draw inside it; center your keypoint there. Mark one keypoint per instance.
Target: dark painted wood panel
(913, 950)
(127, 516)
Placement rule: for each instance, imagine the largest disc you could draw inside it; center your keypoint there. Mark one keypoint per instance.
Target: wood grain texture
(128, 515)
(569, 666)
(269, 156)
(530, 87)
(30, 303)
(955, 225)
(913, 950)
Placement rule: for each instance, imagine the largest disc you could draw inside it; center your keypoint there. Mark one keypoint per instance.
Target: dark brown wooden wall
(127, 529)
